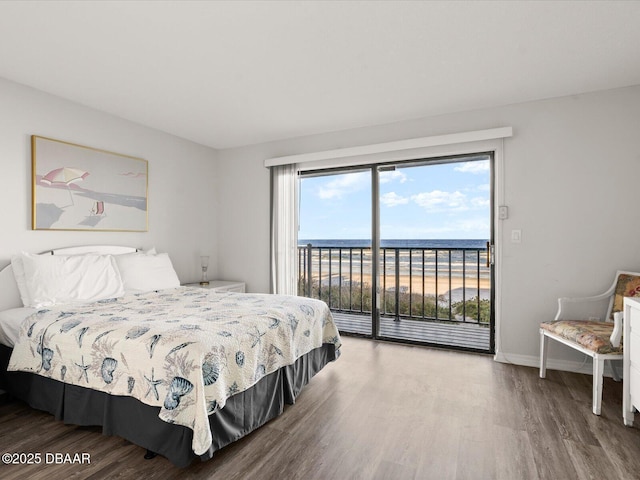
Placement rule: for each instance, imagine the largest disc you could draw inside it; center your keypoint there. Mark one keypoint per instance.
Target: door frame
(375, 241)
(463, 145)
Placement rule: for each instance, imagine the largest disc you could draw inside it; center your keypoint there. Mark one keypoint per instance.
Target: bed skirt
(132, 420)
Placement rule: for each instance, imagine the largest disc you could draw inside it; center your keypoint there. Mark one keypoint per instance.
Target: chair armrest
(616, 335)
(583, 308)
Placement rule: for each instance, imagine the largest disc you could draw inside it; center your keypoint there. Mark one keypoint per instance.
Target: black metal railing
(430, 284)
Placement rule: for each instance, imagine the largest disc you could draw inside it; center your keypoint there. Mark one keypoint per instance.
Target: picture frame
(75, 187)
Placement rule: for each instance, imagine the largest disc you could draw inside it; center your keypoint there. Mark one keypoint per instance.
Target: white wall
(571, 177)
(570, 180)
(182, 179)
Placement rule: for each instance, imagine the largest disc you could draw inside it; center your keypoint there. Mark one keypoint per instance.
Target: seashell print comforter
(185, 350)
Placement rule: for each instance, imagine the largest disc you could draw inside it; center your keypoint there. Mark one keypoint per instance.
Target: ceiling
(227, 74)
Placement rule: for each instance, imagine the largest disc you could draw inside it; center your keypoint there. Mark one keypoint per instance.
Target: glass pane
(334, 246)
(435, 221)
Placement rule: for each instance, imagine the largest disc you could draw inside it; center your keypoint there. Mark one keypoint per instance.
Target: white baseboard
(585, 367)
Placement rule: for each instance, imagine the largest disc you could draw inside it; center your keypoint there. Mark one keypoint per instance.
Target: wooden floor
(460, 335)
(382, 411)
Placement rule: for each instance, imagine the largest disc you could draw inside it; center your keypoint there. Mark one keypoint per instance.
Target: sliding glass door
(402, 251)
(435, 272)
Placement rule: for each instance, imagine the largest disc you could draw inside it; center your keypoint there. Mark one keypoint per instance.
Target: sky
(442, 201)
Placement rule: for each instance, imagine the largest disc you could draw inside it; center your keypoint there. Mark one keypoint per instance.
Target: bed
(180, 371)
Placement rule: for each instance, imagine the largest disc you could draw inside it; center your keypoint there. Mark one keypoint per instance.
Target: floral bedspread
(185, 350)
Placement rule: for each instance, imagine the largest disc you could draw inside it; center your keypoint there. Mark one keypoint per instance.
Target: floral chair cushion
(592, 335)
(627, 286)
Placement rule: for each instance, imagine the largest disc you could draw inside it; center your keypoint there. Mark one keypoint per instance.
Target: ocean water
(458, 266)
(412, 243)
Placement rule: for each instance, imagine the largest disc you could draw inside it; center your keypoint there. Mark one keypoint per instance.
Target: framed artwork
(83, 188)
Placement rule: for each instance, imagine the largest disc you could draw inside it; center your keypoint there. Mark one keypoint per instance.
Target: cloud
(392, 175)
(476, 167)
(392, 199)
(480, 202)
(460, 228)
(439, 201)
(343, 184)
(480, 224)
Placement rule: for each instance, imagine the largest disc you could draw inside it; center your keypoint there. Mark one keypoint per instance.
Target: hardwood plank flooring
(382, 411)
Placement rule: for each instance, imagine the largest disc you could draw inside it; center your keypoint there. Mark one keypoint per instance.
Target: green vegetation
(358, 299)
(470, 309)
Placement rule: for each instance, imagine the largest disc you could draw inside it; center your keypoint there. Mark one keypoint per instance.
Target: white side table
(221, 286)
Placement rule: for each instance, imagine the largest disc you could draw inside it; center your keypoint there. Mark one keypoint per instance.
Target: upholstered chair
(593, 326)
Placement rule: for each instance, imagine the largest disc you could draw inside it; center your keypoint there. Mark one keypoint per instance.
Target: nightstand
(220, 286)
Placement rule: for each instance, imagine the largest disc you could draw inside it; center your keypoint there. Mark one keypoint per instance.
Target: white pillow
(56, 279)
(18, 272)
(21, 281)
(142, 272)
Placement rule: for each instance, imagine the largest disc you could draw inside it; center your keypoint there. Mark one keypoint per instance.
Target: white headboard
(9, 294)
(95, 249)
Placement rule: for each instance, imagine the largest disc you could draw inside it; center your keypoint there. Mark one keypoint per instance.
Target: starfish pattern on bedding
(84, 369)
(153, 385)
(257, 337)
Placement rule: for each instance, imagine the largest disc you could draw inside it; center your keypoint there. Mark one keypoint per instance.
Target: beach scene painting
(82, 188)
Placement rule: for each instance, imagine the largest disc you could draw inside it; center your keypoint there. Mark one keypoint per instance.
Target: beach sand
(445, 283)
(450, 274)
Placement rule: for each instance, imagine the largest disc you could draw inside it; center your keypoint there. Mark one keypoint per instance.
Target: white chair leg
(543, 354)
(598, 370)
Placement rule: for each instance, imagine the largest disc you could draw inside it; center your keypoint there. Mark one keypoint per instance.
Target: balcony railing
(431, 284)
